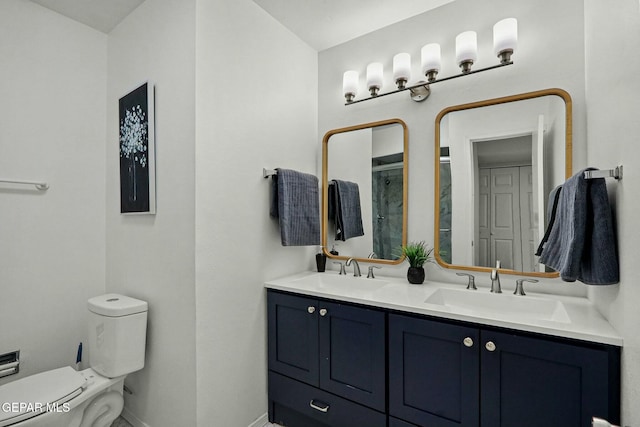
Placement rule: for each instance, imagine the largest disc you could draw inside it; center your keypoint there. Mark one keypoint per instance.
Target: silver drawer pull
(311, 309)
(468, 342)
(324, 408)
(490, 346)
(323, 312)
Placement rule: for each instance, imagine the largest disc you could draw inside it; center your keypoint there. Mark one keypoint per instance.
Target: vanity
(348, 351)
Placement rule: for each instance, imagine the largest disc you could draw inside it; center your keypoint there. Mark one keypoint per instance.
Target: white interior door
(506, 239)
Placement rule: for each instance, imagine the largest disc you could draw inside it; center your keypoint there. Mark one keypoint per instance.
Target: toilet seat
(36, 394)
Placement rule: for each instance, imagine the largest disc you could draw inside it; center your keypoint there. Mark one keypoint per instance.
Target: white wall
(151, 257)
(612, 38)
(52, 120)
(537, 66)
(256, 99)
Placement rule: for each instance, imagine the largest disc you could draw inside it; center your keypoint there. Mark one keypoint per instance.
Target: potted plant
(416, 254)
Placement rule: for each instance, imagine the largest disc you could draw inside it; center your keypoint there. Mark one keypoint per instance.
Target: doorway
(504, 225)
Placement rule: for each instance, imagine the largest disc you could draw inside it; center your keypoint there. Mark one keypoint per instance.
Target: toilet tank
(117, 334)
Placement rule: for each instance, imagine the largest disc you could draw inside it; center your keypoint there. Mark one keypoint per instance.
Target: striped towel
(295, 202)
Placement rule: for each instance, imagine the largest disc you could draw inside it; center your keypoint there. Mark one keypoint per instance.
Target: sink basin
(334, 282)
(487, 304)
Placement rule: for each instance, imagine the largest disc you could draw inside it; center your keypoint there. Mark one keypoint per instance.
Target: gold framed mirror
(371, 158)
(495, 163)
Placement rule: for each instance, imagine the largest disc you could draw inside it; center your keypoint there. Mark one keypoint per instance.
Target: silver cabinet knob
(311, 309)
(323, 312)
(468, 342)
(490, 346)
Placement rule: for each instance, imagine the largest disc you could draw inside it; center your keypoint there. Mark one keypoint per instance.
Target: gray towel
(581, 244)
(346, 209)
(295, 202)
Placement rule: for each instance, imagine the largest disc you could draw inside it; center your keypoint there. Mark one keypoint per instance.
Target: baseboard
(260, 422)
(132, 419)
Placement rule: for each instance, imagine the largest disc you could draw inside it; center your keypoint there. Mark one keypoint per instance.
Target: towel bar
(266, 173)
(39, 185)
(610, 173)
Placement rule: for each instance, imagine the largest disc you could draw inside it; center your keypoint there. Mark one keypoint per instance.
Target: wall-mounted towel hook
(609, 173)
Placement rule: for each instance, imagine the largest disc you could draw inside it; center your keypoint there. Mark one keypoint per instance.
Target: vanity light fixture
(374, 78)
(350, 85)
(505, 41)
(401, 69)
(466, 50)
(505, 38)
(431, 61)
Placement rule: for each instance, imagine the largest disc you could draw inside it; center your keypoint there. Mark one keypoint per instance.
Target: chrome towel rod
(266, 173)
(39, 185)
(609, 173)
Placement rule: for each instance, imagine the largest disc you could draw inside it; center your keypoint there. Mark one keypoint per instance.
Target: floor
(120, 422)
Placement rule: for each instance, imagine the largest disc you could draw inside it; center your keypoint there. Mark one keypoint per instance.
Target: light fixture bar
(421, 84)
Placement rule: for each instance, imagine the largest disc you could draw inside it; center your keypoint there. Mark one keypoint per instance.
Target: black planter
(415, 275)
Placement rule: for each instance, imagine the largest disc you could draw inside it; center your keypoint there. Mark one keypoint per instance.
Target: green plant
(417, 253)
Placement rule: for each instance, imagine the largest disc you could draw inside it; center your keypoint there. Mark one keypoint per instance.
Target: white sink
(484, 303)
(331, 282)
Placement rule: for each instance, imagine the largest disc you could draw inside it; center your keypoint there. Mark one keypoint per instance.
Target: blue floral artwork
(137, 183)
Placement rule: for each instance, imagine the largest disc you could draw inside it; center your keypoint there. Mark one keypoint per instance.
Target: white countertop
(563, 316)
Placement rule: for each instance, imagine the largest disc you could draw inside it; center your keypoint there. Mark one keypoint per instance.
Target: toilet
(65, 397)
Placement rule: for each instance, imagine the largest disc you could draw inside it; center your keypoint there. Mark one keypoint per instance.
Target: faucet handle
(471, 284)
(343, 271)
(520, 288)
(370, 273)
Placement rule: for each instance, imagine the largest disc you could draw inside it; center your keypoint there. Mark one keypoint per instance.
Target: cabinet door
(535, 382)
(433, 372)
(352, 353)
(293, 336)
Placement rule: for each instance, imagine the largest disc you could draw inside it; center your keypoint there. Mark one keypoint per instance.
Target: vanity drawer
(320, 406)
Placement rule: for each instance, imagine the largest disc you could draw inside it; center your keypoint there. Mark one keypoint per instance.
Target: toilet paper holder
(9, 363)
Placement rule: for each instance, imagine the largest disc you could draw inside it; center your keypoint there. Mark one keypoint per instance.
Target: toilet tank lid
(29, 396)
(116, 305)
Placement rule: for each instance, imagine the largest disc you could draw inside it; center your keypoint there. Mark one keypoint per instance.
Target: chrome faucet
(471, 284)
(342, 269)
(370, 274)
(356, 267)
(495, 279)
(519, 286)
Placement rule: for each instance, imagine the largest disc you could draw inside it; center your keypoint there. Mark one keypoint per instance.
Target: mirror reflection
(364, 191)
(497, 160)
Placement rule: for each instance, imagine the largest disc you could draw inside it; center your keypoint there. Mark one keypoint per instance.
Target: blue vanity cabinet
(293, 337)
(433, 373)
(443, 374)
(533, 381)
(327, 362)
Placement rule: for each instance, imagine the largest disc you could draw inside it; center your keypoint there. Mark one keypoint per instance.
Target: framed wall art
(137, 151)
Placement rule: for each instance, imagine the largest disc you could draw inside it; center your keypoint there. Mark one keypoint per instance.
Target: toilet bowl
(93, 397)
